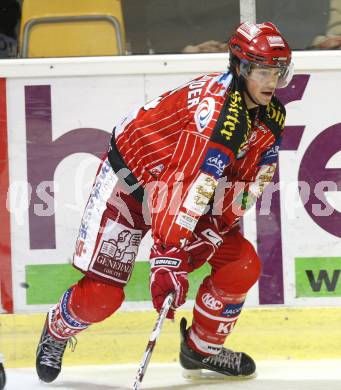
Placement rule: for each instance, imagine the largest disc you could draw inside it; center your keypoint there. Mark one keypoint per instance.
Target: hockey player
(189, 163)
(2, 373)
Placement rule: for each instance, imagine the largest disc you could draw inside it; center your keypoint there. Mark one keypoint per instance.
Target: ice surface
(279, 375)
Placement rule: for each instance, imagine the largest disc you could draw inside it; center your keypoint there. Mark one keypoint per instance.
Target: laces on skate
(225, 358)
(53, 351)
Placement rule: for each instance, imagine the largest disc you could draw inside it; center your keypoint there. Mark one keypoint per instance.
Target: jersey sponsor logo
(166, 261)
(275, 41)
(186, 221)
(118, 249)
(200, 194)
(115, 257)
(103, 181)
(212, 237)
(215, 162)
(226, 327)
(263, 129)
(270, 156)
(232, 310)
(263, 178)
(80, 250)
(210, 302)
(204, 113)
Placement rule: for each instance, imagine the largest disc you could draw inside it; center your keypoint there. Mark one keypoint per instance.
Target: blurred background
(57, 28)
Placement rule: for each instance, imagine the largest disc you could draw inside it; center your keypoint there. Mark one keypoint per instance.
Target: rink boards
(49, 165)
(292, 313)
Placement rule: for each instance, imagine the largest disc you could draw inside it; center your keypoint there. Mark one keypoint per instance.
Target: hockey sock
(86, 302)
(94, 301)
(219, 303)
(214, 315)
(62, 323)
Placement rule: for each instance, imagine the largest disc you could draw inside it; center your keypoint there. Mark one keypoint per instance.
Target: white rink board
(98, 100)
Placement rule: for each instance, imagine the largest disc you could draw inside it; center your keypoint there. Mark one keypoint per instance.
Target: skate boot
(226, 364)
(49, 356)
(2, 374)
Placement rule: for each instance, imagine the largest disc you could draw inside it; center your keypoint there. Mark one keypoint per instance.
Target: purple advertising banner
(44, 154)
(269, 227)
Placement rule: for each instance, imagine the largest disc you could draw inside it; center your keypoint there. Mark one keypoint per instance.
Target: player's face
(261, 83)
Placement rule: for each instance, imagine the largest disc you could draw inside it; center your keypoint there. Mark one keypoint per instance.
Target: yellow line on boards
(270, 333)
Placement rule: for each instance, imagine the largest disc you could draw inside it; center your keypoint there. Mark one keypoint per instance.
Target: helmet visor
(281, 75)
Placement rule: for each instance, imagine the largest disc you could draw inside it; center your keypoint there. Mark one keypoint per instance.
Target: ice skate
(49, 356)
(2, 374)
(226, 365)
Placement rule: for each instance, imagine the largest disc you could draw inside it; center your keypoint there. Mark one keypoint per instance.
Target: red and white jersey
(170, 144)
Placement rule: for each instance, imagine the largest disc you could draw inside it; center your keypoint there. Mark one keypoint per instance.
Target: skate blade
(207, 375)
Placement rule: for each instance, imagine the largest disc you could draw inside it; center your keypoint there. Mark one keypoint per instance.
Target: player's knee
(93, 301)
(239, 276)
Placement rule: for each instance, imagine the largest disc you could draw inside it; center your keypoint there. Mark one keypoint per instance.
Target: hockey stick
(152, 341)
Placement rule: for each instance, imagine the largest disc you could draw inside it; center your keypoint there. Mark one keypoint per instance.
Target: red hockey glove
(169, 269)
(207, 237)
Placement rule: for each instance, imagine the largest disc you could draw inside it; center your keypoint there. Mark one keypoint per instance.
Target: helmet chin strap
(242, 83)
(250, 97)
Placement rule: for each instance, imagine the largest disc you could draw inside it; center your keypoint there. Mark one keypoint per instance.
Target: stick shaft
(152, 341)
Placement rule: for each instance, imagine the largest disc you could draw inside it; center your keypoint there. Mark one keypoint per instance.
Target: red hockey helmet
(264, 45)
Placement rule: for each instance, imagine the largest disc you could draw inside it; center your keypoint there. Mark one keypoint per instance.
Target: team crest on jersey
(204, 113)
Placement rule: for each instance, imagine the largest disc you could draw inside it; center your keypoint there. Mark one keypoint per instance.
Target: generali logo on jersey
(211, 303)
